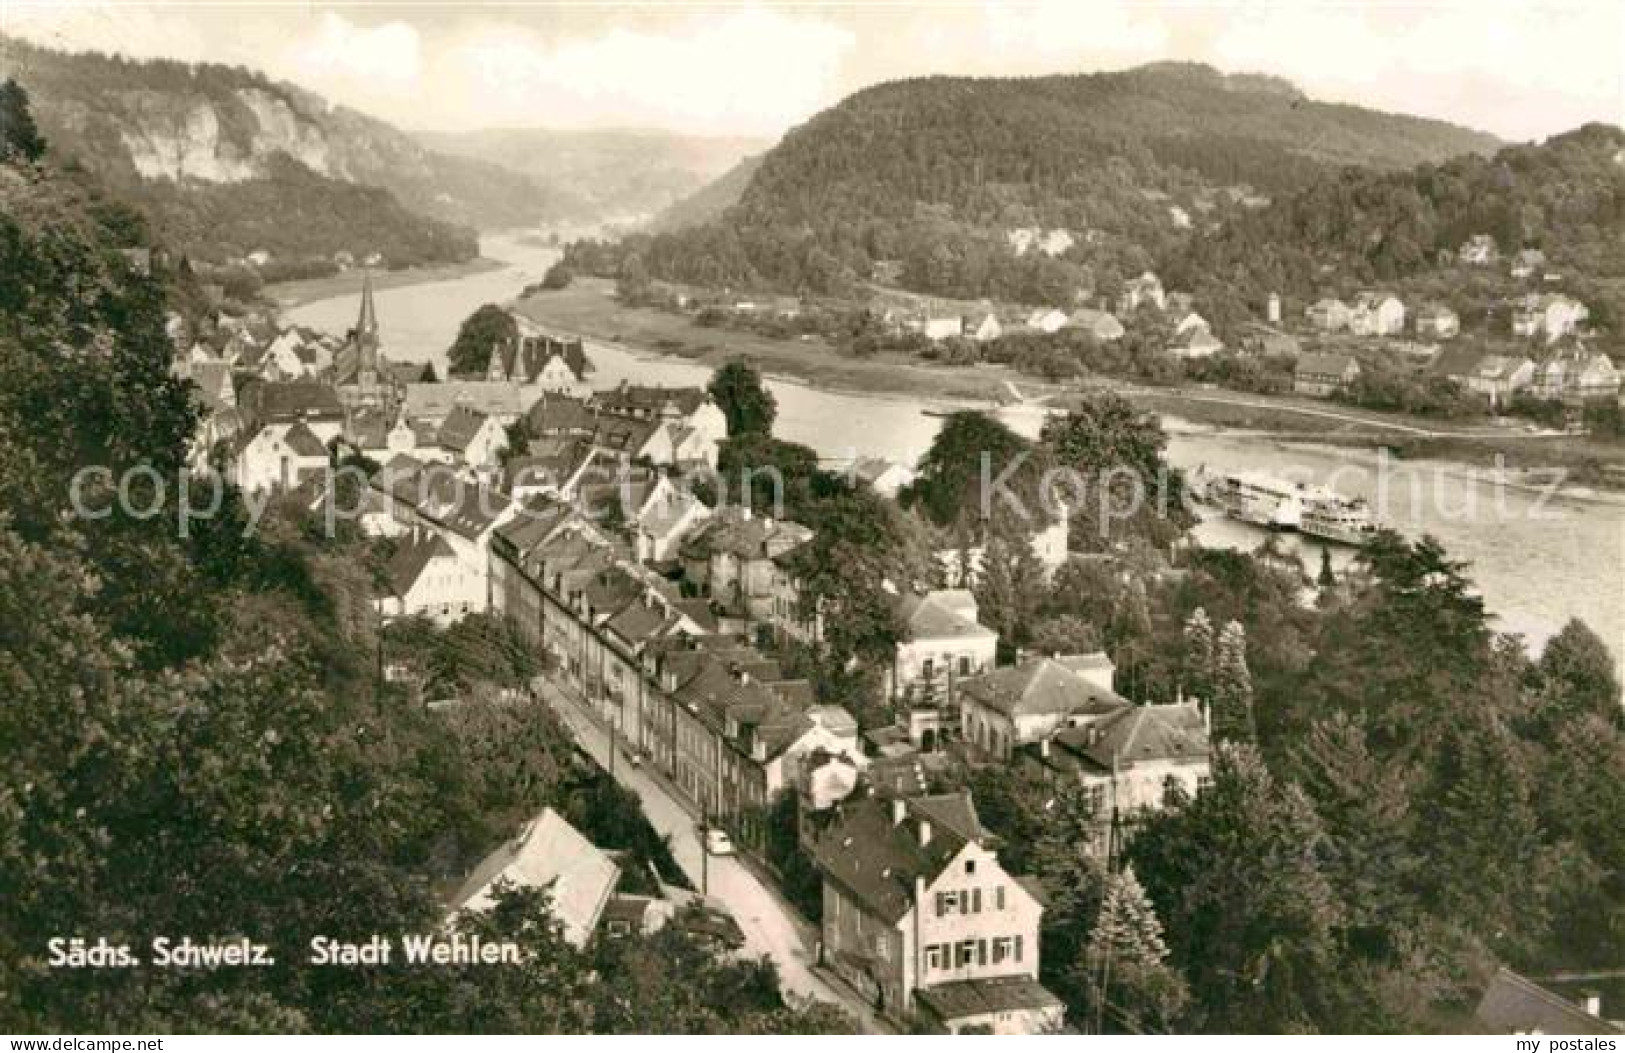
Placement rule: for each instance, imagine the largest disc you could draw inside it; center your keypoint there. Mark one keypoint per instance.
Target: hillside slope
(709, 201)
(936, 172)
(614, 173)
(173, 135)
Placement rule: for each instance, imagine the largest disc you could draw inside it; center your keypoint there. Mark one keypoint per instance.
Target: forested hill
(982, 145)
(186, 141)
(709, 201)
(933, 172)
(1564, 197)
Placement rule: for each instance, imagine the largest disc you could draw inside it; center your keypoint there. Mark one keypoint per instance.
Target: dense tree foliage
(750, 408)
(1565, 197)
(931, 173)
(470, 352)
(196, 742)
(19, 136)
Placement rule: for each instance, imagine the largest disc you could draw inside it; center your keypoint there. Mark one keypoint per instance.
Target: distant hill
(1564, 197)
(174, 136)
(624, 174)
(936, 172)
(709, 201)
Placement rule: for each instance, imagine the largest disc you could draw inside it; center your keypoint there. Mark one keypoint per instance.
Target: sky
(1522, 70)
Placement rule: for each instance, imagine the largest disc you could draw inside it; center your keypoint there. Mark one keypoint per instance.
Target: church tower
(366, 338)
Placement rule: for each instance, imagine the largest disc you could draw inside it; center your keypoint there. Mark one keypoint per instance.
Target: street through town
(771, 928)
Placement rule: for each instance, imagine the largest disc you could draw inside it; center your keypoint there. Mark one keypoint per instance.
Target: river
(1538, 560)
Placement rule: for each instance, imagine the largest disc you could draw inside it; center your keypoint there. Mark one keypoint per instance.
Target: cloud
(345, 59)
(1519, 69)
(751, 70)
(73, 25)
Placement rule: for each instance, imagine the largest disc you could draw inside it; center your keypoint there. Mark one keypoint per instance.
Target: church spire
(367, 324)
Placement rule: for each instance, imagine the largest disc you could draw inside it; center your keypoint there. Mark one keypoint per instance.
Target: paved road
(769, 926)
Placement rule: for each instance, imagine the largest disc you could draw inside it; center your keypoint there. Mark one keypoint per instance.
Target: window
(964, 665)
(1001, 949)
(970, 866)
(947, 903)
(975, 901)
(967, 954)
(1017, 948)
(928, 668)
(933, 956)
(981, 952)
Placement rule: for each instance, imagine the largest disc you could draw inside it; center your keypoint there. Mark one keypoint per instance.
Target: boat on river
(1276, 504)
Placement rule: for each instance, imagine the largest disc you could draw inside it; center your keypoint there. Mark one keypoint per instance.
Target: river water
(1538, 560)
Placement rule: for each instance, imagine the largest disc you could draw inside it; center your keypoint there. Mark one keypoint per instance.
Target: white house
(1049, 321)
(1146, 290)
(941, 644)
(1551, 316)
(279, 456)
(472, 439)
(882, 476)
(424, 578)
(942, 328)
(1376, 314)
(982, 327)
(920, 917)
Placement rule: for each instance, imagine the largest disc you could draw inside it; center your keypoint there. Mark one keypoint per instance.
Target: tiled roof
(1040, 685)
(877, 861)
(734, 530)
(301, 440)
(1317, 363)
(549, 854)
(412, 556)
(271, 401)
(1141, 733)
(961, 999)
(460, 428)
(1513, 1004)
(638, 400)
(499, 398)
(554, 413)
(940, 614)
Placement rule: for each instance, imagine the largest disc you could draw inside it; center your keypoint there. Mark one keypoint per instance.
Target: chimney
(898, 810)
(1591, 1002)
(925, 832)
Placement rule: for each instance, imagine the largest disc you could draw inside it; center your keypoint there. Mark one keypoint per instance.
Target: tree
(19, 136)
(747, 404)
(979, 475)
(1115, 454)
(1125, 961)
(481, 332)
(1326, 579)
(559, 276)
(1199, 655)
(1251, 920)
(1579, 675)
(1232, 702)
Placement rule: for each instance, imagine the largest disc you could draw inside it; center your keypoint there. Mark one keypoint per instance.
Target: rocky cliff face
(184, 124)
(181, 138)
